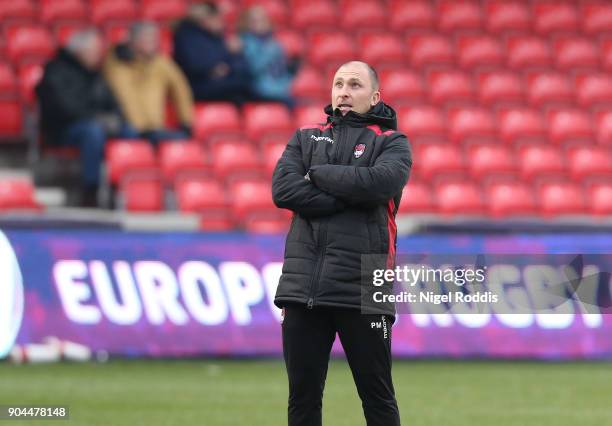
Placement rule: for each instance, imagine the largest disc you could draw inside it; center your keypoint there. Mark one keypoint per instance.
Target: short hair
(206, 7)
(138, 28)
(371, 71)
(80, 40)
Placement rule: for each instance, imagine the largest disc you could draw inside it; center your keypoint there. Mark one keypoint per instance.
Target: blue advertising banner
(199, 294)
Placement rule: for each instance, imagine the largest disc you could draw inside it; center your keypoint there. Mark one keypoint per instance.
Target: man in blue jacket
(343, 180)
(215, 66)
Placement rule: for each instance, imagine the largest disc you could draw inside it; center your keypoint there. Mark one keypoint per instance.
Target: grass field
(254, 393)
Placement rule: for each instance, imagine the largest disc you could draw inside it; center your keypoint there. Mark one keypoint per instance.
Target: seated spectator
(142, 78)
(78, 108)
(272, 72)
(214, 66)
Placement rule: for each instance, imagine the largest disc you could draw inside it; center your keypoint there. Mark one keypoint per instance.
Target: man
(142, 80)
(214, 66)
(343, 180)
(78, 108)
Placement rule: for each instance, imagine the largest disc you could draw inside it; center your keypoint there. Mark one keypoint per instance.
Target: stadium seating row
(273, 122)
(404, 86)
(247, 203)
(35, 43)
(541, 16)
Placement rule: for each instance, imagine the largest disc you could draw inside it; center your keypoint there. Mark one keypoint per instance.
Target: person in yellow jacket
(143, 79)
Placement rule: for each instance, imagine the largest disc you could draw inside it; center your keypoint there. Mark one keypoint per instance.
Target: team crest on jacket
(359, 149)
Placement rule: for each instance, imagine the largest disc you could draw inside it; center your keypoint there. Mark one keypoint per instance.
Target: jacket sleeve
(376, 184)
(61, 97)
(180, 92)
(290, 190)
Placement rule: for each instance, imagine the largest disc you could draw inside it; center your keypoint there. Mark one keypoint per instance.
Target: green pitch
(254, 393)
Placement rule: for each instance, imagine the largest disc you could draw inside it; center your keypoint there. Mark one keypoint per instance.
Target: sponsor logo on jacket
(322, 138)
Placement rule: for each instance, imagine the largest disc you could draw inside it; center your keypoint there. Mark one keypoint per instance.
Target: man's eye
(356, 85)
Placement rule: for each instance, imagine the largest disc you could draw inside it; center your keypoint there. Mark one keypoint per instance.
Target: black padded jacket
(357, 166)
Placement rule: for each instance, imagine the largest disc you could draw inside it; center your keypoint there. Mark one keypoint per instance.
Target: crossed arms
(332, 186)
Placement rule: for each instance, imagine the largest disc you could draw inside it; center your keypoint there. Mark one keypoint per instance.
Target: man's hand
(220, 70)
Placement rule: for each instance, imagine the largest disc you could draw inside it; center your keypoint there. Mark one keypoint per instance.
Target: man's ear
(375, 98)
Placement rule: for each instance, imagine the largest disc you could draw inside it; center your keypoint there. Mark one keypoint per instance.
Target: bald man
(343, 180)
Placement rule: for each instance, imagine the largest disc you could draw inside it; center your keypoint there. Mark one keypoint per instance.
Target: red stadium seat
(500, 87)
(604, 127)
(549, 88)
(600, 199)
(561, 198)
(314, 14)
(17, 194)
(479, 51)
(215, 118)
(181, 157)
(487, 159)
(128, 156)
(510, 199)
(606, 55)
(521, 123)
(363, 14)
(331, 49)
(309, 84)
(8, 81)
(142, 194)
(422, 121)
(410, 14)
(555, 16)
(528, 51)
(233, 160)
(438, 160)
(105, 11)
(381, 48)
(271, 153)
(206, 197)
(417, 197)
(266, 119)
(470, 123)
(536, 161)
(450, 87)
(503, 15)
(20, 10)
(456, 15)
(11, 122)
(308, 115)
(594, 89)
(53, 11)
(424, 50)
(29, 76)
(162, 10)
(401, 85)
(29, 42)
(292, 42)
(597, 17)
(459, 198)
(252, 199)
(569, 124)
(573, 53)
(590, 162)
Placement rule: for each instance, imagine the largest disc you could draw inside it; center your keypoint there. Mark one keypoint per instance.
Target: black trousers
(308, 336)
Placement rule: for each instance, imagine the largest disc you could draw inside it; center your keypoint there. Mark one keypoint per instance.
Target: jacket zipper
(314, 284)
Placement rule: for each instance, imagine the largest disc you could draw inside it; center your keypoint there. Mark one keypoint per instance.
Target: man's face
(91, 56)
(147, 42)
(212, 22)
(352, 89)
